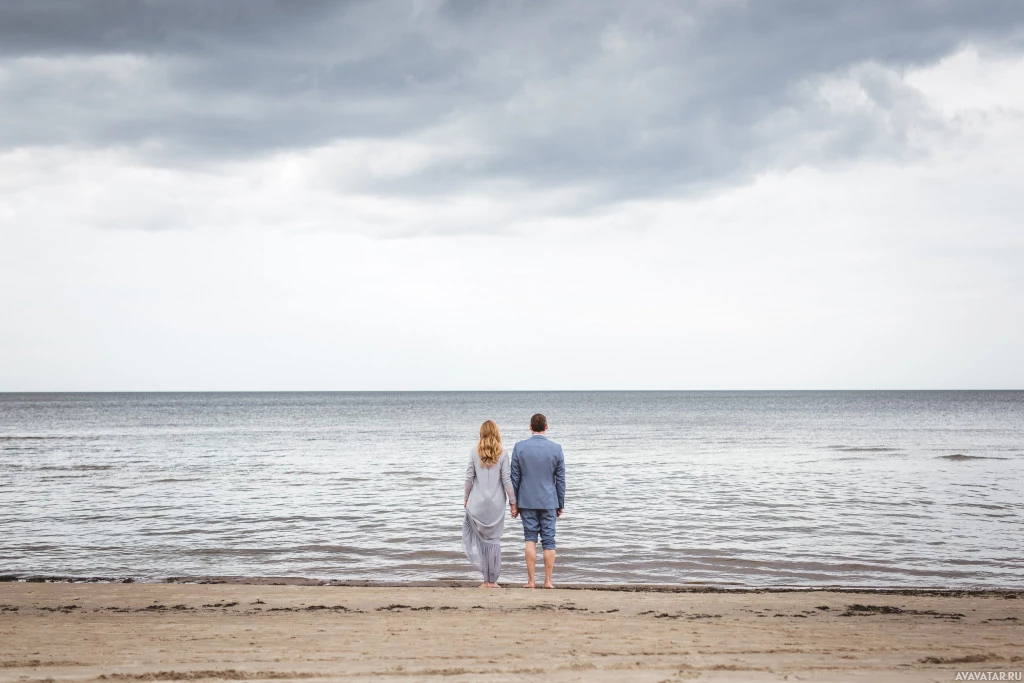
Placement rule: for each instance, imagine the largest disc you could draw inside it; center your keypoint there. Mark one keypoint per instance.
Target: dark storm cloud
(628, 99)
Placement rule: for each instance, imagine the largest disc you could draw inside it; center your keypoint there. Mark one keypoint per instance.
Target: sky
(430, 195)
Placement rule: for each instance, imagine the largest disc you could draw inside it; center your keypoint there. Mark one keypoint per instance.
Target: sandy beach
(188, 631)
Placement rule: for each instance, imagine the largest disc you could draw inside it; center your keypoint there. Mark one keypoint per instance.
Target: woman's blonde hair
(489, 448)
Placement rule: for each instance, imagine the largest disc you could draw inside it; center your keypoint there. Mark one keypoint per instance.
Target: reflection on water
(810, 488)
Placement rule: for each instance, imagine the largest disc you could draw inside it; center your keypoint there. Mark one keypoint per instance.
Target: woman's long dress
(487, 490)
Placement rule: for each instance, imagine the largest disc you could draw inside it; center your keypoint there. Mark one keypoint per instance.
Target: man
(538, 477)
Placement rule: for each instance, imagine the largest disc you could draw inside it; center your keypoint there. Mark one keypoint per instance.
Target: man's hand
(515, 510)
(558, 512)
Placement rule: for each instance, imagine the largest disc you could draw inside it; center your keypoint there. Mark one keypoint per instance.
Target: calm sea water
(748, 488)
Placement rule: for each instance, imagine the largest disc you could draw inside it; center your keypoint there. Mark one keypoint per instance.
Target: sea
(753, 489)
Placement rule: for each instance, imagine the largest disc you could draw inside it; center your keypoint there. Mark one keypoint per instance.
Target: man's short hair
(538, 423)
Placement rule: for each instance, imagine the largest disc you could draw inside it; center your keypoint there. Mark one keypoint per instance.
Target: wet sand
(259, 631)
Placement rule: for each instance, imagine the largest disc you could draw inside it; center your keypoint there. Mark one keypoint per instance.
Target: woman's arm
(470, 479)
(506, 480)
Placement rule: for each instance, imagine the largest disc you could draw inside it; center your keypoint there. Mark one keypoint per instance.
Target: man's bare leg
(549, 566)
(531, 560)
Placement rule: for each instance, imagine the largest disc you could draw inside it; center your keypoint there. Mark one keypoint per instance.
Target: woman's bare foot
(548, 585)
(529, 585)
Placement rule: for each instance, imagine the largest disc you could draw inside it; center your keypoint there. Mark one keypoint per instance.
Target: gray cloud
(626, 100)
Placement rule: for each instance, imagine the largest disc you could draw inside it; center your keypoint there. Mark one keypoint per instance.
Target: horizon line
(489, 391)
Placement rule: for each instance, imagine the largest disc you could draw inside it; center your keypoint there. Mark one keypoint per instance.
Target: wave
(961, 456)
(53, 437)
(865, 449)
(75, 468)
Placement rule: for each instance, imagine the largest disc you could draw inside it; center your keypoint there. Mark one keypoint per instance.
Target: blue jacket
(538, 474)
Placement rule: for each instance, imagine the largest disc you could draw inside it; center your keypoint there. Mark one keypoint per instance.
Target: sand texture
(135, 632)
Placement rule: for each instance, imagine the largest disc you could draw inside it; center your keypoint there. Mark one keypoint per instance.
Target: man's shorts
(539, 522)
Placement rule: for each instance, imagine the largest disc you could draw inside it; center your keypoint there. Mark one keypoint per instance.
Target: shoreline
(65, 632)
(1007, 592)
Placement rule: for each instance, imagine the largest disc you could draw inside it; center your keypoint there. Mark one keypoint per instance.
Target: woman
(488, 485)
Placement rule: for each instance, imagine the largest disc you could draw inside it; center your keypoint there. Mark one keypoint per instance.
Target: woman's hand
(465, 502)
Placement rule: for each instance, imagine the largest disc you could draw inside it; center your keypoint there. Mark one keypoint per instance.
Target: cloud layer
(602, 100)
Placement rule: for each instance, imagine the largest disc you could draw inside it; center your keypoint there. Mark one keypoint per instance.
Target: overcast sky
(716, 194)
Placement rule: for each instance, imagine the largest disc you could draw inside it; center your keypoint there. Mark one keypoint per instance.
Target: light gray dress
(487, 491)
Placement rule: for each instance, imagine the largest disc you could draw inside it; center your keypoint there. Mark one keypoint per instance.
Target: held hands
(515, 510)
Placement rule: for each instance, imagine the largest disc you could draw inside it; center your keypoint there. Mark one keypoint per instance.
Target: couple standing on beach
(533, 483)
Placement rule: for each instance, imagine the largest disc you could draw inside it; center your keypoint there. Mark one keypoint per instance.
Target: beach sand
(186, 631)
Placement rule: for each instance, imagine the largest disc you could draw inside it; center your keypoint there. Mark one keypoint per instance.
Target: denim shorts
(539, 522)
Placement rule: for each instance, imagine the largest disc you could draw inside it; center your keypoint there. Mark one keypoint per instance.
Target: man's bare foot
(529, 585)
(484, 585)
(548, 585)
(493, 585)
